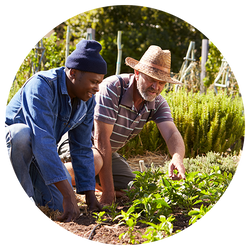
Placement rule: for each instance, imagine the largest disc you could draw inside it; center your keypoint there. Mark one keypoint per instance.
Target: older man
(48, 105)
(124, 104)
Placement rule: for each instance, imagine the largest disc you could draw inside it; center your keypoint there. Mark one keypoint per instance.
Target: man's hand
(176, 163)
(70, 209)
(176, 148)
(92, 202)
(107, 198)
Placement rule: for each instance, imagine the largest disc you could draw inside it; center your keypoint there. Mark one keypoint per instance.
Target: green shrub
(206, 122)
(54, 56)
(225, 163)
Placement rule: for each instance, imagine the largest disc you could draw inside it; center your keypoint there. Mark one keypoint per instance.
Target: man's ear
(136, 75)
(72, 73)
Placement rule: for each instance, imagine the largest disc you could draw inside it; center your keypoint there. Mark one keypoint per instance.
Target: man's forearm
(102, 135)
(105, 174)
(176, 145)
(65, 188)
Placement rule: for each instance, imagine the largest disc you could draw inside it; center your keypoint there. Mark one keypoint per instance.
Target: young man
(123, 107)
(47, 106)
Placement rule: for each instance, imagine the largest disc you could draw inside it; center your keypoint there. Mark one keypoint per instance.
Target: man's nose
(155, 85)
(96, 88)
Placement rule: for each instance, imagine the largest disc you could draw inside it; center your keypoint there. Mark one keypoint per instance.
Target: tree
(141, 27)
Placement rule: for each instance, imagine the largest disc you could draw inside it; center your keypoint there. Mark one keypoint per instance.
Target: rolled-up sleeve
(81, 152)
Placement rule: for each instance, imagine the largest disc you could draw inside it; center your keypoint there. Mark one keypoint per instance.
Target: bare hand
(92, 202)
(107, 198)
(70, 209)
(176, 164)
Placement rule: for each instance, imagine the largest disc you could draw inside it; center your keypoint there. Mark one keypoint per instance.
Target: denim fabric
(43, 104)
(18, 139)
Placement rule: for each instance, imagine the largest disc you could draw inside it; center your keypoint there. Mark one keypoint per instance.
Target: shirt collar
(63, 83)
(127, 98)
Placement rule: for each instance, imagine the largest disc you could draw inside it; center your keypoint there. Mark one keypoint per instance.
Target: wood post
(204, 55)
(67, 43)
(119, 50)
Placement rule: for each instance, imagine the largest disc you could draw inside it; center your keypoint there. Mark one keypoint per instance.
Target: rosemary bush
(207, 122)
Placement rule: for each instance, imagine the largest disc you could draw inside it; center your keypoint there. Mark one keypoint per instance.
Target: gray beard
(145, 96)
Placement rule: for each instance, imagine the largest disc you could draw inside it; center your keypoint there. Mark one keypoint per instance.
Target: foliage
(80, 23)
(225, 163)
(154, 198)
(152, 206)
(54, 56)
(158, 231)
(198, 213)
(145, 181)
(141, 27)
(212, 65)
(99, 216)
(130, 219)
(206, 122)
(111, 210)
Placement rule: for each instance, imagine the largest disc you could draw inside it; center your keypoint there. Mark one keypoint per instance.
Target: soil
(108, 232)
(87, 227)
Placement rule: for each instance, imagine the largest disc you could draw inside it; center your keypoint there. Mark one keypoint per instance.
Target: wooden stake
(204, 55)
(119, 55)
(142, 165)
(67, 43)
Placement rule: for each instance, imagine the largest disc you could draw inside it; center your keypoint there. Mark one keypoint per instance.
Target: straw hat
(155, 63)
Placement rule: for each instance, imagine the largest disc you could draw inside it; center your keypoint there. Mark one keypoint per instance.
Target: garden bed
(187, 201)
(87, 227)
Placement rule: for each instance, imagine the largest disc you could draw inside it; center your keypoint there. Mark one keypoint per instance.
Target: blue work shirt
(44, 105)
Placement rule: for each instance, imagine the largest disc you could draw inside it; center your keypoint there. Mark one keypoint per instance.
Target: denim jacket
(44, 105)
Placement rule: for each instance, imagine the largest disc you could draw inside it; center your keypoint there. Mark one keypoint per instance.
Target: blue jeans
(19, 144)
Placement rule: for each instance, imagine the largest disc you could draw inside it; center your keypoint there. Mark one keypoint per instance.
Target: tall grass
(206, 122)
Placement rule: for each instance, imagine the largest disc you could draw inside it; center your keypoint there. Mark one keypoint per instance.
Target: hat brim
(150, 71)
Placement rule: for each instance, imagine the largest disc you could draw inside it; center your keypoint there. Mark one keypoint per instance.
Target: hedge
(207, 122)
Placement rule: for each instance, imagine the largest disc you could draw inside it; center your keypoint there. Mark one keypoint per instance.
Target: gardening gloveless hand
(176, 164)
(92, 202)
(70, 209)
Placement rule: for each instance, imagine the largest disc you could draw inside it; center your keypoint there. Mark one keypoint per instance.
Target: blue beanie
(86, 57)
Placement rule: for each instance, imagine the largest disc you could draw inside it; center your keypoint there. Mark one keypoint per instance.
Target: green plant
(183, 194)
(206, 122)
(130, 219)
(212, 65)
(226, 163)
(54, 56)
(215, 184)
(151, 206)
(99, 216)
(154, 196)
(111, 210)
(158, 231)
(198, 213)
(144, 183)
